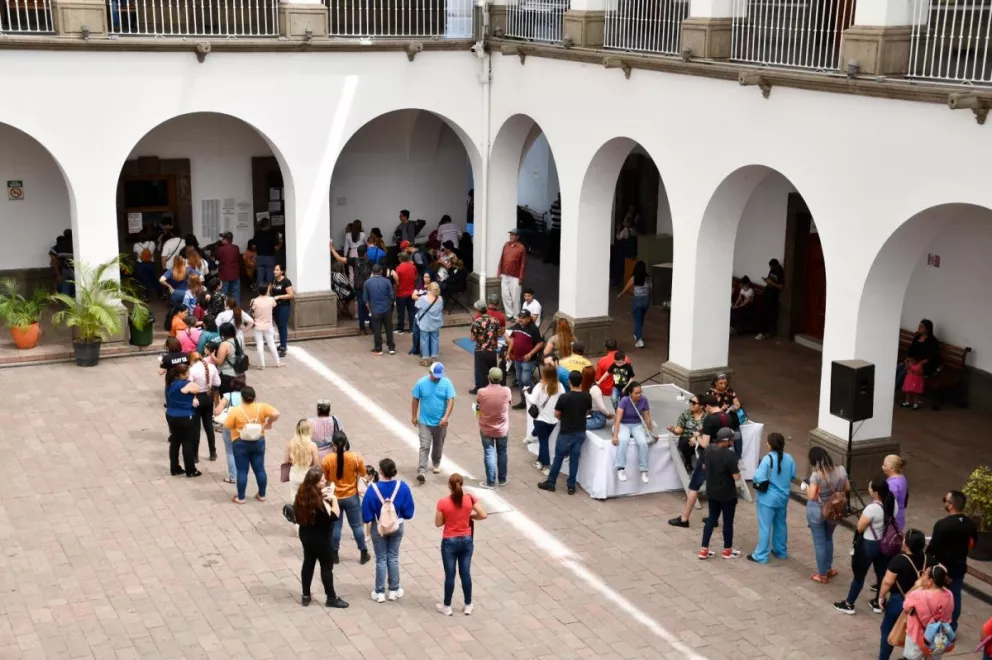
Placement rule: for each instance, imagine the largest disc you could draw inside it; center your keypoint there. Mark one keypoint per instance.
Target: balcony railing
(653, 26)
(950, 41)
(450, 19)
(790, 33)
(194, 18)
(26, 16)
(536, 20)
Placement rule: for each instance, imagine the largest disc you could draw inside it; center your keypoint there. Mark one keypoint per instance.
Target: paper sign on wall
(15, 191)
(275, 194)
(134, 224)
(278, 220)
(263, 215)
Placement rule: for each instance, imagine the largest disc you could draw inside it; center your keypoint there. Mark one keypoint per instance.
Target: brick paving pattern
(107, 556)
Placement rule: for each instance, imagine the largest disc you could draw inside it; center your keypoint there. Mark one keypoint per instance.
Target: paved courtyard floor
(105, 555)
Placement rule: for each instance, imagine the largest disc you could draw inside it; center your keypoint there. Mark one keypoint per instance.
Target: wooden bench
(949, 381)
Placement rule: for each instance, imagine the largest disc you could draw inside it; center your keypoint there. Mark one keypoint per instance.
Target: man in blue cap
(433, 401)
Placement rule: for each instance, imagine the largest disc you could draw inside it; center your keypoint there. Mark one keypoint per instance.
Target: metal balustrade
(790, 33)
(449, 19)
(950, 41)
(536, 20)
(19, 16)
(653, 26)
(194, 18)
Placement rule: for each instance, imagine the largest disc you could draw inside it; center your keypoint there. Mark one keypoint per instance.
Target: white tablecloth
(597, 474)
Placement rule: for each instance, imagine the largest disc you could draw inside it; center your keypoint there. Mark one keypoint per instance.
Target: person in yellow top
(248, 424)
(344, 469)
(577, 361)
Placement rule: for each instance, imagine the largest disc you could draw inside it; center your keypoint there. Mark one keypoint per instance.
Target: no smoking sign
(15, 191)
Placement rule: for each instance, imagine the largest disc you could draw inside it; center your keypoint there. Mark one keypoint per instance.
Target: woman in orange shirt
(344, 469)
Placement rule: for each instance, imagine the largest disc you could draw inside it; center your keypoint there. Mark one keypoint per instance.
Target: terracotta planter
(26, 337)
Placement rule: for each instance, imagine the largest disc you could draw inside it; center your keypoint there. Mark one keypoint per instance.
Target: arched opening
(928, 269)
(203, 174)
(416, 161)
(35, 210)
(755, 216)
(525, 194)
(624, 217)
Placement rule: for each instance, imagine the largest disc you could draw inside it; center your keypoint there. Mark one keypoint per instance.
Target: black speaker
(852, 389)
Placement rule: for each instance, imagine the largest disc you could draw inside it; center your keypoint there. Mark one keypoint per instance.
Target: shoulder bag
(762, 486)
(897, 636)
(427, 309)
(534, 411)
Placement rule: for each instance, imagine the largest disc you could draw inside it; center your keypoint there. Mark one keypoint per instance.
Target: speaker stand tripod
(847, 466)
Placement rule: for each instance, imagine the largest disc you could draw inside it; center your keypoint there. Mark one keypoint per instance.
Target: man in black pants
(722, 474)
(379, 296)
(485, 332)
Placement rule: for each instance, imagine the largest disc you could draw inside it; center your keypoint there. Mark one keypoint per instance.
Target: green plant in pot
(94, 313)
(978, 490)
(22, 315)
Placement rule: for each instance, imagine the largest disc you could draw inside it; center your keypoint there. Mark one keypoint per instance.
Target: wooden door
(814, 288)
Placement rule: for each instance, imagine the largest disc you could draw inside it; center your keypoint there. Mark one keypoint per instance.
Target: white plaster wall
(761, 233)
(31, 225)
(537, 185)
(406, 160)
(219, 149)
(945, 295)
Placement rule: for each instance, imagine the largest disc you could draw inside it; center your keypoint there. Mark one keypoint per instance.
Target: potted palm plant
(978, 490)
(94, 312)
(22, 315)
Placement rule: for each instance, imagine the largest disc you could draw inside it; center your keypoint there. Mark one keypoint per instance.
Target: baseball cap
(724, 434)
(495, 375)
(437, 370)
(480, 306)
(514, 230)
(524, 314)
(578, 347)
(404, 245)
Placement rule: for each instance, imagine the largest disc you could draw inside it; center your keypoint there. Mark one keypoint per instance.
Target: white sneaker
(436, 469)
(644, 477)
(546, 471)
(468, 610)
(622, 475)
(395, 595)
(530, 439)
(538, 465)
(760, 336)
(446, 611)
(378, 597)
(639, 343)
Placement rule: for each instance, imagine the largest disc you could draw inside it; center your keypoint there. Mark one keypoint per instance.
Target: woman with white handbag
(248, 424)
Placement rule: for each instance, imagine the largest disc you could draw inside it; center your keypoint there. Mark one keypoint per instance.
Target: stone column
(73, 18)
(585, 22)
(296, 17)
(308, 229)
(879, 40)
(706, 31)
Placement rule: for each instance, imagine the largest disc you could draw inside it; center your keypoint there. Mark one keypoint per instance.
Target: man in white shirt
(531, 305)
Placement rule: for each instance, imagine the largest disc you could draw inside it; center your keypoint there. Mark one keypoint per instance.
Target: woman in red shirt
(455, 514)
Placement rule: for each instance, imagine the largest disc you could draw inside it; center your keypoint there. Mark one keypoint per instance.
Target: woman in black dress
(316, 509)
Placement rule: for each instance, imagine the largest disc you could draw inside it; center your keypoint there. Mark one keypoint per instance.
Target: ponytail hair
(455, 482)
(232, 304)
(340, 440)
(777, 442)
(881, 488)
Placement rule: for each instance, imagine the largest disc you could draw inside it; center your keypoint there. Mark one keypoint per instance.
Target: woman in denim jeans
(345, 469)
(455, 514)
(602, 410)
(430, 310)
(387, 548)
(900, 576)
(871, 527)
(544, 395)
(226, 402)
(824, 480)
(640, 285)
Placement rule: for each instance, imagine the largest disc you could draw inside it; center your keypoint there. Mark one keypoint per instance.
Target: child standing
(912, 386)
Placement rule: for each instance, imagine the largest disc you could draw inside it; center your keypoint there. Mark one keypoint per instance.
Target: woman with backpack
(900, 577)
(826, 493)
(872, 526)
(386, 505)
(456, 513)
(345, 469)
(772, 484)
(144, 255)
(929, 609)
(316, 510)
(230, 359)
